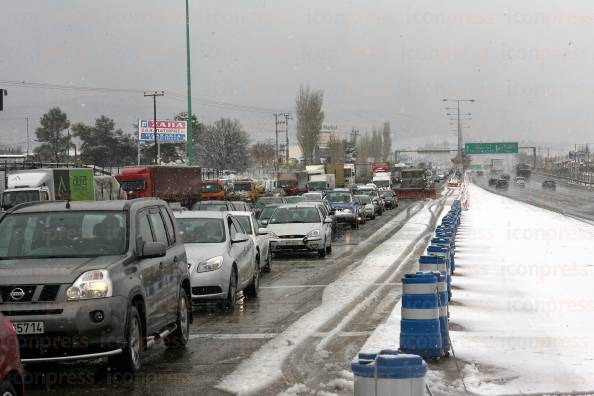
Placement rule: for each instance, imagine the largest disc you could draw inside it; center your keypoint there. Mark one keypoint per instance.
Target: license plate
(29, 327)
(292, 243)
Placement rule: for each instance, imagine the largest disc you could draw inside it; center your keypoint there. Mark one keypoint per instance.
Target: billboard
(168, 131)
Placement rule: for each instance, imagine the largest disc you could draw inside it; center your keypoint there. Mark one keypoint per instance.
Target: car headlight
(347, 211)
(91, 284)
(211, 264)
(313, 234)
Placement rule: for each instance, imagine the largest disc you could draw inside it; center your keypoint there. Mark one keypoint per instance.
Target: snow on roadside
(264, 367)
(523, 307)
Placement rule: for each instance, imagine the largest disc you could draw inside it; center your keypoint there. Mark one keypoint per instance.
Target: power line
(175, 96)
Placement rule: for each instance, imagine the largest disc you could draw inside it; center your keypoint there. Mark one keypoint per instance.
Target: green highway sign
(491, 148)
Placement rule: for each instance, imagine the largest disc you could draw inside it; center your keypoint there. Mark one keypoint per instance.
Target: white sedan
(303, 227)
(261, 239)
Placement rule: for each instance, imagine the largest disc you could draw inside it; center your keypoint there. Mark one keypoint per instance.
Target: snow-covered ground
(522, 316)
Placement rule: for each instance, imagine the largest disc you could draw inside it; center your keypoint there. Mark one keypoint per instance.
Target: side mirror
(239, 238)
(328, 220)
(153, 249)
(262, 231)
(264, 222)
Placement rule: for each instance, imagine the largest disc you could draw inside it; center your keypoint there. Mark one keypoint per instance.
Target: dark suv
(83, 280)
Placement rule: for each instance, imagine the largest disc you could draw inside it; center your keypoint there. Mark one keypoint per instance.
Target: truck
(383, 180)
(293, 183)
(107, 188)
(170, 183)
(315, 170)
(414, 184)
(213, 189)
(71, 184)
(349, 174)
(338, 171)
(524, 170)
(321, 182)
(380, 167)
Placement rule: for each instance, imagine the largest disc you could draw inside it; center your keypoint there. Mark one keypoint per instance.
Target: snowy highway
(310, 318)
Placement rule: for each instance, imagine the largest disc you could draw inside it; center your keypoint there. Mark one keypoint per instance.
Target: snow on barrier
(389, 373)
(419, 327)
(442, 293)
(449, 244)
(444, 252)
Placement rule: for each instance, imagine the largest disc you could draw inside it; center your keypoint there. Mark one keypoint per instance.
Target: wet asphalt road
(575, 201)
(220, 341)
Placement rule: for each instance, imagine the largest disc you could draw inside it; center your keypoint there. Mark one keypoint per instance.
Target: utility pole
(287, 118)
(354, 134)
(27, 119)
(190, 149)
(276, 124)
(459, 127)
(154, 95)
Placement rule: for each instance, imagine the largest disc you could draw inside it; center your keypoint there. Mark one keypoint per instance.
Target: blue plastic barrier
(419, 327)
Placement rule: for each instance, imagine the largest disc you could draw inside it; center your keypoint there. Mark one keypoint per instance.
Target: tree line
(222, 145)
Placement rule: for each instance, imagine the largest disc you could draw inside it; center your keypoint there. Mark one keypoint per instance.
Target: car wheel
(231, 292)
(329, 249)
(129, 360)
(179, 338)
(355, 224)
(322, 251)
(252, 289)
(268, 265)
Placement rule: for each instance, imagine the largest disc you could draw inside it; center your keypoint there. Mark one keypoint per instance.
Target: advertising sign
(168, 131)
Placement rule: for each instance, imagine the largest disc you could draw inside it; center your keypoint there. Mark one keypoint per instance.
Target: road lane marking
(265, 336)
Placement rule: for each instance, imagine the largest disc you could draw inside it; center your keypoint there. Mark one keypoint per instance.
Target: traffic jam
(101, 269)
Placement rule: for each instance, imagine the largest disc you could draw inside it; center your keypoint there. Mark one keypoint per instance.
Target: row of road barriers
(424, 325)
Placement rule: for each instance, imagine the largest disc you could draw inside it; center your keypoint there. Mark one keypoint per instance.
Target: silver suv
(83, 280)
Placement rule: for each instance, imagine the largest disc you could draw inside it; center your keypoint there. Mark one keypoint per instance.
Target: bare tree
(309, 121)
(224, 145)
(387, 141)
(263, 154)
(336, 149)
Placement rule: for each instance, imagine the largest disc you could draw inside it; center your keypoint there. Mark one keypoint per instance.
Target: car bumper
(70, 332)
(343, 217)
(292, 244)
(211, 285)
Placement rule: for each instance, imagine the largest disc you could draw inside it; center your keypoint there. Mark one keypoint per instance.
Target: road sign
(491, 148)
(168, 131)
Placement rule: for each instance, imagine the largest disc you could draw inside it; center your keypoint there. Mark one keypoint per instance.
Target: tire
(268, 266)
(179, 338)
(322, 251)
(252, 289)
(7, 389)
(329, 249)
(229, 304)
(355, 224)
(129, 361)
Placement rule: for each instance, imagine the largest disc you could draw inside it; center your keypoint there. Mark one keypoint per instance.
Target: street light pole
(459, 127)
(154, 95)
(190, 150)
(27, 119)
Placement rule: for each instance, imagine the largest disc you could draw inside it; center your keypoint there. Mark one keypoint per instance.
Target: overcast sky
(529, 64)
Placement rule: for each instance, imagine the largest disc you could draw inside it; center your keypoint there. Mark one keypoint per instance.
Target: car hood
(292, 228)
(342, 205)
(54, 270)
(197, 252)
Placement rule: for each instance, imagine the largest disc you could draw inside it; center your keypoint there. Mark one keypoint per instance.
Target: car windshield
(339, 197)
(202, 230)
(242, 186)
(63, 234)
(13, 198)
(294, 199)
(295, 215)
(267, 212)
(211, 187)
(364, 199)
(268, 200)
(217, 207)
(245, 223)
(132, 185)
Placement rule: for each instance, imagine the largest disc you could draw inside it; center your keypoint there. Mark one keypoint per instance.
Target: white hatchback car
(221, 257)
(302, 227)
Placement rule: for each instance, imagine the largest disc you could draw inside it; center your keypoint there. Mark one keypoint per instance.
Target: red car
(11, 371)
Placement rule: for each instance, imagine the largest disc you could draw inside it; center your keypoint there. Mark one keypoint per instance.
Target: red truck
(293, 183)
(380, 167)
(170, 183)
